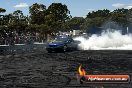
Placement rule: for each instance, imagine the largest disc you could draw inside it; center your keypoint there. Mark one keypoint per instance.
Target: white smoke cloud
(129, 7)
(21, 5)
(120, 5)
(106, 41)
(90, 10)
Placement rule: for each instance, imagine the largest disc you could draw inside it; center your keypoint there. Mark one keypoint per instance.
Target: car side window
(70, 40)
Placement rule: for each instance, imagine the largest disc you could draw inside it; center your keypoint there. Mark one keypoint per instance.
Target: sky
(78, 8)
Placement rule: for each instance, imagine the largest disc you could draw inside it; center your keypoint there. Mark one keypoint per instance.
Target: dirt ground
(59, 70)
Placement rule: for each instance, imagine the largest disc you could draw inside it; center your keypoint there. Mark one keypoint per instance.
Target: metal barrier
(21, 48)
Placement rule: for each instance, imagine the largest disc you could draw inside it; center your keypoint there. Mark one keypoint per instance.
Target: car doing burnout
(62, 44)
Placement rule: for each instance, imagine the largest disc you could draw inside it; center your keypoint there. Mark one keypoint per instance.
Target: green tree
(74, 24)
(96, 18)
(120, 16)
(17, 21)
(99, 13)
(37, 13)
(2, 10)
(129, 16)
(2, 22)
(57, 15)
(2, 16)
(59, 11)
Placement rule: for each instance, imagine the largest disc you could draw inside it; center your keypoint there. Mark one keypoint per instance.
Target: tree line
(49, 20)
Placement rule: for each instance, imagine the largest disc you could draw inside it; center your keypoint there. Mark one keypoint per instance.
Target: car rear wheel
(49, 51)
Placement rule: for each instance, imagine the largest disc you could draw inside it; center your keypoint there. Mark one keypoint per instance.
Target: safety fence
(21, 48)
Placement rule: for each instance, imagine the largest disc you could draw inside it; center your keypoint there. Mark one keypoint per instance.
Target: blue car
(62, 44)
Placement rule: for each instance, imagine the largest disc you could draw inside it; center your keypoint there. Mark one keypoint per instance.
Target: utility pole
(127, 30)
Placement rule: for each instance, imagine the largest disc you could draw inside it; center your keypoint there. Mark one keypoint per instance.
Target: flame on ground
(81, 71)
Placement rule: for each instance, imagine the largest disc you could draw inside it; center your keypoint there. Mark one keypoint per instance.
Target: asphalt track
(59, 70)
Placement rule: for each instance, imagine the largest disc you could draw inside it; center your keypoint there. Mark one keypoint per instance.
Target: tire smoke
(109, 40)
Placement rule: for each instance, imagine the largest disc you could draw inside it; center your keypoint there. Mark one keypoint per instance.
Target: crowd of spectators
(11, 38)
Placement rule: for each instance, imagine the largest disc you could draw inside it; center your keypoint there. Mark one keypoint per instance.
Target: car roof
(63, 37)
